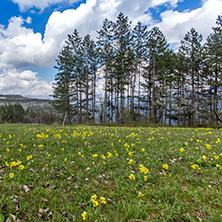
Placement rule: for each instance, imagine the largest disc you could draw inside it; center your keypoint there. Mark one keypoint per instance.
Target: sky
(33, 32)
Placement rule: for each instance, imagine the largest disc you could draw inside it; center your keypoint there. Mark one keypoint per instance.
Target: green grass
(64, 173)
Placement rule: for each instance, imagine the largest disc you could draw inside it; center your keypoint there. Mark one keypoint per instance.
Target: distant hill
(31, 103)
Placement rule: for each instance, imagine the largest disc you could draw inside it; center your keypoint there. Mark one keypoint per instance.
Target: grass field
(78, 173)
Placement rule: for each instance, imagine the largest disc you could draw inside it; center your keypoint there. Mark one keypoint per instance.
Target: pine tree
(77, 72)
(62, 93)
(191, 50)
(213, 63)
(140, 50)
(157, 46)
(105, 41)
(89, 60)
(123, 61)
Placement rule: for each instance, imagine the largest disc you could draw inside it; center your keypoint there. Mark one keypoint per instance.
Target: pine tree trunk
(139, 91)
(111, 107)
(87, 93)
(105, 94)
(153, 118)
(94, 98)
(193, 101)
(179, 104)
(117, 106)
(77, 103)
(215, 103)
(80, 104)
(121, 104)
(133, 95)
(128, 97)
(170, 106)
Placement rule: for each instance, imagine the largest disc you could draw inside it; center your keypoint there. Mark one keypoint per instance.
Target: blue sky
(32, 32)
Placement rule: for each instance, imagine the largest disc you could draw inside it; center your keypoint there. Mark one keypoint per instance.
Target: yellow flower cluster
(13, 163)
(130, 161)
(109, 155)
(140, 194)
(84, 215)
(218, 140)
(29, 157)
(196, 166)
(132, 177)
(208, 146)
(11, 175)
(165, 166)
(80, 154)
(95, 202)
(181, 149)
(143, 169)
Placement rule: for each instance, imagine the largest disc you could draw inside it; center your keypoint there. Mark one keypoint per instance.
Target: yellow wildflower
(11, 175)
(83, 215)
(130, 161)
(195, 166)
(216, 157)
(140, 194)
(95, 203)
(165, 166)
(94, 197)
(181, 149)
(104, 157)
(21, 167)
(109, 155)
(130, 153)
(143, 169)
(103, 200)
(132, 177)
(29, 157)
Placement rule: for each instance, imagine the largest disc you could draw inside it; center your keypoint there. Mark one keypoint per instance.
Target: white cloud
(24, 83)
(24, 5)
(21, 47)
(176, 24)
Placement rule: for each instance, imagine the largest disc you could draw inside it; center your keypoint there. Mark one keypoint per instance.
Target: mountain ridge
(26, 102)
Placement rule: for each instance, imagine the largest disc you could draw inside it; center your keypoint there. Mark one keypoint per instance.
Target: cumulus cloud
(24, 83)
(21, 47)
(175, 24)
(24, 5)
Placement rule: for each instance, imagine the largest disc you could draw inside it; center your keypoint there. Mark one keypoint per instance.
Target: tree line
(15, 113)
(143, 79)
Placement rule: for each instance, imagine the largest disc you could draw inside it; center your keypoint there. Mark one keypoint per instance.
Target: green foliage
(12, 113)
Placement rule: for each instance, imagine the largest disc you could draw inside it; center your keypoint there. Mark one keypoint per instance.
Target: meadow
(90, 173)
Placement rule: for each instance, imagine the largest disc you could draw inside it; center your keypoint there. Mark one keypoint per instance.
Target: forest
(143, 79)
